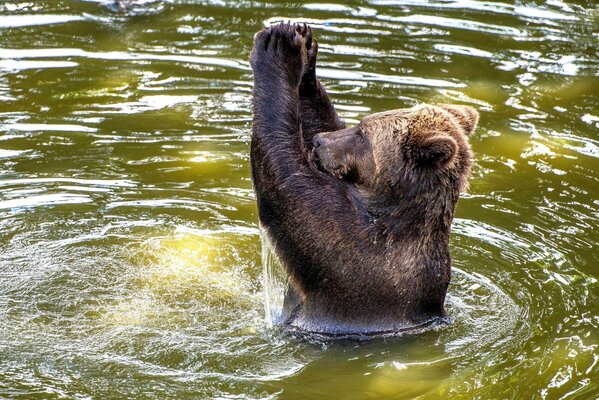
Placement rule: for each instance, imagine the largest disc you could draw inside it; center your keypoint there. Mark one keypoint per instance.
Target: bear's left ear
(437, 149)
(467, 117)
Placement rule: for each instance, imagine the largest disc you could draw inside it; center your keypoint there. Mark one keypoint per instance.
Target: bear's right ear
(467, 117)
(437, 149)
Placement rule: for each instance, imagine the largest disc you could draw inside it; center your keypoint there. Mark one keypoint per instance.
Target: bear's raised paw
(282, 50)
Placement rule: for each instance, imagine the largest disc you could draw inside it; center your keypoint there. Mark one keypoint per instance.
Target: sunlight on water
(44, 200)
(190, 260)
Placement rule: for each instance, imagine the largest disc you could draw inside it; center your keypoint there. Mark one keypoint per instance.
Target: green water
(129, 250)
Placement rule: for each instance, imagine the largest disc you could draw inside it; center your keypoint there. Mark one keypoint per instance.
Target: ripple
(483, 314)
(454, 23)
(172, 203)
(357, 11)
(22, 127)
(118, 55)
(487, 233)
(14, 65)
(147, 103)
(374, 77)
(16, 21)
(44, 200)
(12, 153)
(492, 7)
(463, 50)
(129, 250)
(80, 181)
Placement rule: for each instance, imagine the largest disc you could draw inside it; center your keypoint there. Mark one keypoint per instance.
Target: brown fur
(361, 216)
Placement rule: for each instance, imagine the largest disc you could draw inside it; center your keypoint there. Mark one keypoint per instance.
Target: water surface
(129, 249)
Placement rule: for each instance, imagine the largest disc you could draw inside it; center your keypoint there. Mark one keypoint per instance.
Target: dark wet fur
(368, 253)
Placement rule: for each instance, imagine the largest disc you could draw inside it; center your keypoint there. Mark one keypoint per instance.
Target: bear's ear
(467, 117)
(437, 149)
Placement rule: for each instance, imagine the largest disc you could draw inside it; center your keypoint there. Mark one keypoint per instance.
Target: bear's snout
(317, 141)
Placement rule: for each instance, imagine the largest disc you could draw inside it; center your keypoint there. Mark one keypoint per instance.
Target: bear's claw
(311, 46)
(305, 32)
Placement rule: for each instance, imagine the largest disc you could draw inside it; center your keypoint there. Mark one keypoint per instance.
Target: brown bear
(359, 217)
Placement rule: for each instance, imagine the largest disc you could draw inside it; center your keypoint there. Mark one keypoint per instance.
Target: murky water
(129, 248)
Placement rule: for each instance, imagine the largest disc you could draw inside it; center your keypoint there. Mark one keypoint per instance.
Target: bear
(359, 216)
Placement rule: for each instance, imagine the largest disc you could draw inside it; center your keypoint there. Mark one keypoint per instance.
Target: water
(130, 261)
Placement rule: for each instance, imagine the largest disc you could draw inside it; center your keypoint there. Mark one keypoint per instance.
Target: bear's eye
(360, 135)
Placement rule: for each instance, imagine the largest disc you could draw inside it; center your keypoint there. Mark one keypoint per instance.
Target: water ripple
(129, 250)
(15, 21)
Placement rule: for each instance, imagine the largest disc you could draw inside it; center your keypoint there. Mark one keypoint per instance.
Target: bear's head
(403, 153)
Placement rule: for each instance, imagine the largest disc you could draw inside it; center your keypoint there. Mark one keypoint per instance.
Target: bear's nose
(317, 141)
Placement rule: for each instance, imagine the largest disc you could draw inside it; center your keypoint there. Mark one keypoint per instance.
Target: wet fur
(367, 253)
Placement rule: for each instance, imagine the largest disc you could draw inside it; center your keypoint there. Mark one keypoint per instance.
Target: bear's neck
(423, 220)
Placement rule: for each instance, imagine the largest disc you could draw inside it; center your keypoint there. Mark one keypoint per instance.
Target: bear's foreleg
(278, 60)
(317, 111)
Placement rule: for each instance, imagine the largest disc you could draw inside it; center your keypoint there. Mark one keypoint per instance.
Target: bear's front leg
(278, 60)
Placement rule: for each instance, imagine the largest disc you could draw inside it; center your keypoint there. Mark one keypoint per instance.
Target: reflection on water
(130, 256)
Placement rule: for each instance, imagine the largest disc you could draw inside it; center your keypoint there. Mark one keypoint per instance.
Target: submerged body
(360, 217)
